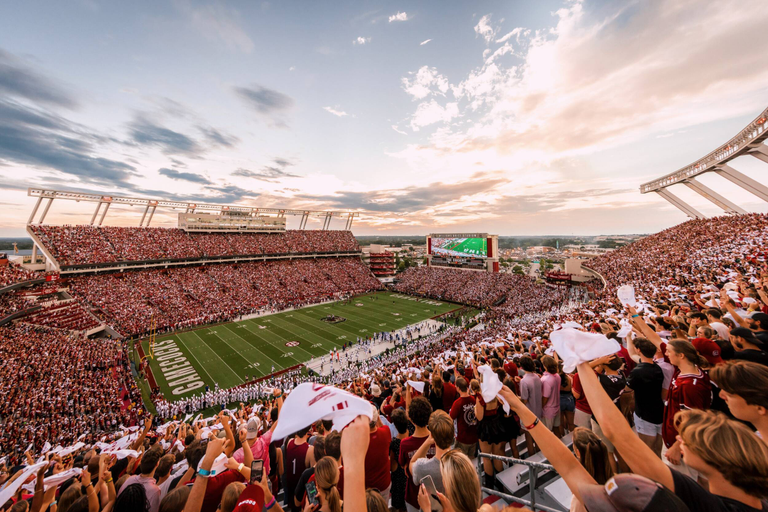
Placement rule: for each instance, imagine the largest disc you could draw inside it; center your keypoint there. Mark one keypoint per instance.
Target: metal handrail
(535, 467)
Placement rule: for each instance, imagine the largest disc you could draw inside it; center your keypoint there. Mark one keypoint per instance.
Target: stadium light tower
(749, 141)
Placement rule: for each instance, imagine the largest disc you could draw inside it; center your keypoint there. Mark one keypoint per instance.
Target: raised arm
(640, 325)
(566, 465)
(635, 453)
(354, 445)
(140, 441)
(196, 495)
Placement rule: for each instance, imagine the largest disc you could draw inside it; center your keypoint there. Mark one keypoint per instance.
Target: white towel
(418, 386)
(11, 488)
(574, 346)
(310, 402)
(218, 467)
(121, 454)
(491, 385)
(626, 294)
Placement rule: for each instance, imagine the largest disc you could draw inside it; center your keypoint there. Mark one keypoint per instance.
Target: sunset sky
(510, 117)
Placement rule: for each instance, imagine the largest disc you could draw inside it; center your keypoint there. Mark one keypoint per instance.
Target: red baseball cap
(250, 500)
(708, 349)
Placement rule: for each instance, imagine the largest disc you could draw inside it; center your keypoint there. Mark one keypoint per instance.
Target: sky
(508, 117)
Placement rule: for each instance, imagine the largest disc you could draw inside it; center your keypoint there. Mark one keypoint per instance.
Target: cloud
(398, 130)
(430, 112)
(269, 173)
(218, 138)
(337, 113)
(218, 23)
(411, 198)
(184, 176)
(144, 132)
(362, 40)
(606, 74)
(516, 33)
(292, 68)
(266, 102)
(484, 28)
(18, 80)
(424, 82)
(424, 42)
(400, 16)
(34, 137)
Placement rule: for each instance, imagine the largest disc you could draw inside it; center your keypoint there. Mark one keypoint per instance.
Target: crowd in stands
(10, 274)
(57, 387)
(520, 294)
(82, 245)
(180, 297)
(64, 315)
(655, 401)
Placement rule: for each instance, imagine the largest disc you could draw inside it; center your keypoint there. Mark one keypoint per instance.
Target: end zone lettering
(175, 368)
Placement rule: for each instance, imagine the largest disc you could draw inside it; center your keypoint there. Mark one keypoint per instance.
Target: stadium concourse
(656, 385)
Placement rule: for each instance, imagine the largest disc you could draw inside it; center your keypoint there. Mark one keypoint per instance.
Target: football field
(466, 246)
(233, 353)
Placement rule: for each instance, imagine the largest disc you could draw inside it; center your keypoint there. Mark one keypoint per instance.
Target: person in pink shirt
(550, 394)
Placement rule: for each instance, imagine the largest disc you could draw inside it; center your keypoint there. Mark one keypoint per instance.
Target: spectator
(646, 380)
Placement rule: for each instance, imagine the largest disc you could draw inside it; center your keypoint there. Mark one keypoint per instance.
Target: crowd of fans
(81, 245)
(70, 315)
(180, 297)
(655, 401)
(518, 294)
(57, 387)
(10, 274)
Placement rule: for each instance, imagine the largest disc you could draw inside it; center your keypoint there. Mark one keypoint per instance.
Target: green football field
(474, 246)
(234, 353)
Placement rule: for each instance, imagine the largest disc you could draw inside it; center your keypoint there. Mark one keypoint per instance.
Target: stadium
(182, 353)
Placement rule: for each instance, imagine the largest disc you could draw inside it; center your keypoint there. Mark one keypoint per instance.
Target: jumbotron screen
(460, 247)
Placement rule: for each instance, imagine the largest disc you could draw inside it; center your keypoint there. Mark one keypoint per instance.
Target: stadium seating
(182, 297)
(688, 280)
(84, 245)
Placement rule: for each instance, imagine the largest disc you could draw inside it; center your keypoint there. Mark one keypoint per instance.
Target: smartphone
(312, 493)
(257, 471)
(432, 491)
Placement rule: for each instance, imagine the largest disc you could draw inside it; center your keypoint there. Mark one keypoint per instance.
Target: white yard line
(220, 359)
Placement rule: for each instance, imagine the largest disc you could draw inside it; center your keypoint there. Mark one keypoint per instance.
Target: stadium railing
(534, 468)
(139, 264)
(20, 284)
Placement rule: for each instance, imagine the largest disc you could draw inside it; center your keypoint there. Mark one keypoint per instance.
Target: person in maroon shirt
(395, 401)
(419, 411)
(449, 392)
(377, 465)
(690, 389)
(299, 455)
(463, 412)
(583, 413)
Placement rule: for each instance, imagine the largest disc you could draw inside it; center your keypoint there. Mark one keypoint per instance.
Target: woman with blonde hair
(732, 459)
(326, 480)
(230, 496)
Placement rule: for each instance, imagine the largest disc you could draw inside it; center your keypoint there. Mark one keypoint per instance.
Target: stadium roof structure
(150, 205)
(749, 141)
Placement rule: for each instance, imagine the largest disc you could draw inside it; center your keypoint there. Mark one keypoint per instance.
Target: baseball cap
(708, 349)
(254, 425)
(628, 492)
(747, 334)
(250, 500)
